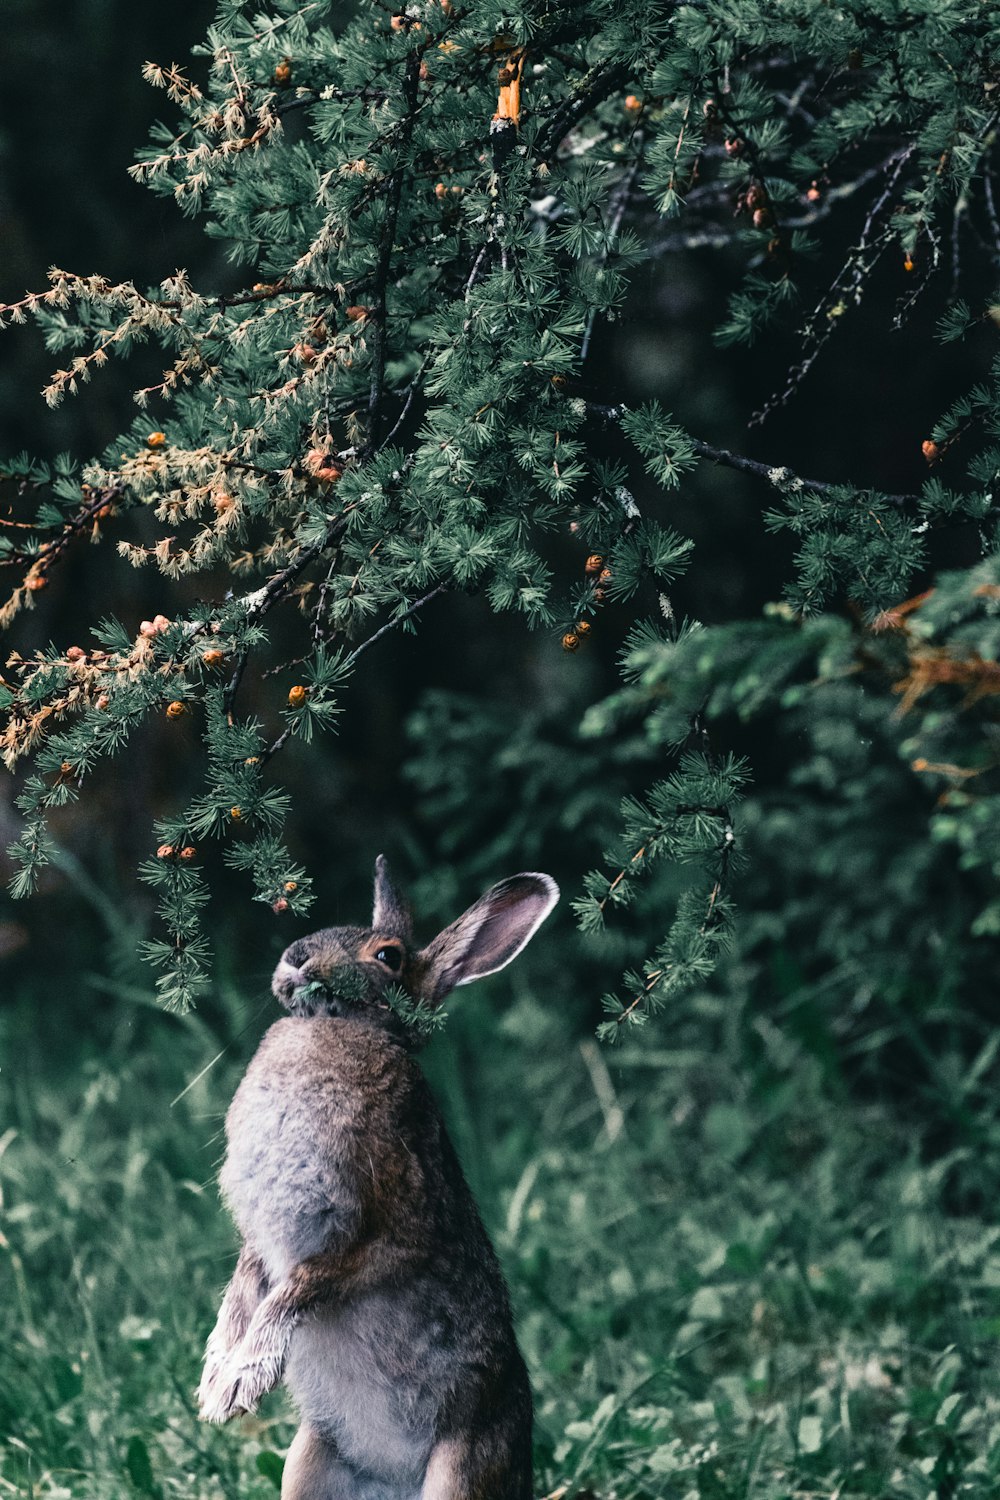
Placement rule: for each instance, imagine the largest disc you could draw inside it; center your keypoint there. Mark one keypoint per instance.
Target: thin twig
(776, 474)
(412, 609)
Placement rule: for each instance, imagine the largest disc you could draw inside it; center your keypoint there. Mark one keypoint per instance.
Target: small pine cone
(305, 353)
(156, 439)
(103, 701)
(594, 563)
(633, 104)
(583, 627)
(236, 813)
(930, 450)
(165, 851)
(356, 313)
(570, 641)
(734, 146)
(160, 624)
(398, 23)
(440, 190)
(188, 852)
(213, 657)
(251, 760)
(222, 502)
(291, 885)
(283, 73)
(297, 695)
(600, 595)
(76, 653)
(147, 629)
(323, 465)
(66, 768)
(279, 906)
(604, 576)
(813, 193)
(175, 709)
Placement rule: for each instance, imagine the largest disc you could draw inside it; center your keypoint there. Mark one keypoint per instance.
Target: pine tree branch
(778, 474)
(49, 553)
(604, 80)
(392, 624)
(775, 474)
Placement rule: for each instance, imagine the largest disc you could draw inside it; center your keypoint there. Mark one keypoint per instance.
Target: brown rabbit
(366, 1278)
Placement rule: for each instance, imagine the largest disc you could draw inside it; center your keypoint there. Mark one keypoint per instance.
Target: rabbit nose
(287, 978)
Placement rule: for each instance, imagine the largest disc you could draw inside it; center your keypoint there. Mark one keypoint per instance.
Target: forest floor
(722, 1288)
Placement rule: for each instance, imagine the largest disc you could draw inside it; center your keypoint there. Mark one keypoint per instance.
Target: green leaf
(140, 1466)
(271, 1465)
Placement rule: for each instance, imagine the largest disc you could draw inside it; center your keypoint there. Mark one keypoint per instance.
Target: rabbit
(366, 1278)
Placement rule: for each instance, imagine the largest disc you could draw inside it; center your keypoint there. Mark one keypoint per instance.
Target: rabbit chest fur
(334, 1139)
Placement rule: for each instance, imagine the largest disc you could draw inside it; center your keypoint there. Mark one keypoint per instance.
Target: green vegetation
(728, 1283)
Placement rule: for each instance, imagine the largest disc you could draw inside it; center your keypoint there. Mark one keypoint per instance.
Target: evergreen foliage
(429, 213)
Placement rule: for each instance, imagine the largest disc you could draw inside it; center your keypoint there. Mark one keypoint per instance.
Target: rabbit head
(345, 971)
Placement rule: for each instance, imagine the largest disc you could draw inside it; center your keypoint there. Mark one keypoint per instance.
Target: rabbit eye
(391, 957)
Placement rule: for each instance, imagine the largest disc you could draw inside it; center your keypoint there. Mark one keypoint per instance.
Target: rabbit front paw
(205, 1395)
(234, 1388)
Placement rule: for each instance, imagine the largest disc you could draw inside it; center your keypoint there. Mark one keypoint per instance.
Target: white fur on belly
(382, 1424)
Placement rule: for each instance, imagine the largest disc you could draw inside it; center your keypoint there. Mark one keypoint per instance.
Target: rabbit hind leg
(314, 1470)
(486, 1466)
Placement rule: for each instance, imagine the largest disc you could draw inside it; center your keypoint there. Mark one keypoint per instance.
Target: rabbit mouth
(337, 994)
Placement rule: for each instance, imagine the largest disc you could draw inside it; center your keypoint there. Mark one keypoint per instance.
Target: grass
(728, 1280)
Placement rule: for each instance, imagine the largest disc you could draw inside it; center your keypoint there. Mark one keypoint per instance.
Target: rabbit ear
(390, 913)
(487, 936)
